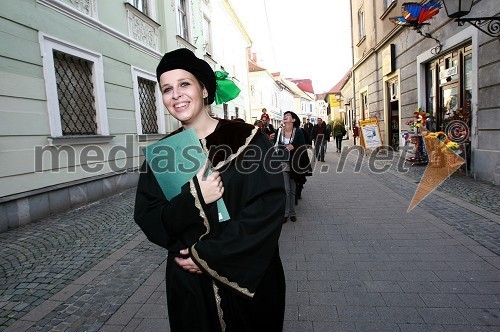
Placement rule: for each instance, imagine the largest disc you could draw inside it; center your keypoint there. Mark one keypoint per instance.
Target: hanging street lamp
(458, 8)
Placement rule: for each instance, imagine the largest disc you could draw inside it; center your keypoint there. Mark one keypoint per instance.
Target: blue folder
(177, 159)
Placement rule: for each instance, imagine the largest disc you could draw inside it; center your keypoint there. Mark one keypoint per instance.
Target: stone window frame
(186, 13)
(160, 114)
(47, 45)
(361, 23)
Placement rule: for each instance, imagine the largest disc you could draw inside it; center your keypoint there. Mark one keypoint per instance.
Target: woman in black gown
(221, 276)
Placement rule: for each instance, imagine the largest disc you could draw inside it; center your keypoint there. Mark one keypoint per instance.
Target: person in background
(220, 276)
(266, 122)
(307, 134)
(290, 141)
(305, 166)
(308, 127)
(267, 130)
(320, 135)
(265, 117)
(339, 132)
(258, 124)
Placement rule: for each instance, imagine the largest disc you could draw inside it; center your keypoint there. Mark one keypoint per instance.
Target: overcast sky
(300, 38)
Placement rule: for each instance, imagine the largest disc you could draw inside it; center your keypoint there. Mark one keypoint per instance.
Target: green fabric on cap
(226, 88)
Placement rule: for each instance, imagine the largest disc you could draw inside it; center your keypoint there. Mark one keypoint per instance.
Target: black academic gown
(242, 287)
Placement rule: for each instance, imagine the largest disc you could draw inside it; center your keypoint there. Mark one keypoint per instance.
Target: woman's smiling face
(182, 95)
(288, 118)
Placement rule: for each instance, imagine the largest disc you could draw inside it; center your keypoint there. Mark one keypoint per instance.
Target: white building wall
(122, 44)
(230, 45)
(286, 100)
(264, 93)
(42, 171)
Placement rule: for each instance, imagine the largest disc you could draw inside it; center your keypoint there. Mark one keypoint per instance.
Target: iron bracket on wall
(436, 49)
(492, 24)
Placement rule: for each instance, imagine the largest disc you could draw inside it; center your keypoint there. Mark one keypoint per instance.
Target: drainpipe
(352, 70)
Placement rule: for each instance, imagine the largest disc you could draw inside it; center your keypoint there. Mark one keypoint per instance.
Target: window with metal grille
(75, 94)
(226, 113)
(147, 103)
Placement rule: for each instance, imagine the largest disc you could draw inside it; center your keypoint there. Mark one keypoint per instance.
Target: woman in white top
(290, 138)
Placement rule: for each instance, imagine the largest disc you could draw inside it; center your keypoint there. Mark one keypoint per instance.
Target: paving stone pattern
(38, 260)
(93, 305)
(483, 195)
(459, 184)
(355, 260)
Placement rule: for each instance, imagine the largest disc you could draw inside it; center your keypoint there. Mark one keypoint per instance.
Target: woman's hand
(211, 186)
(289, 147)
(187, 263)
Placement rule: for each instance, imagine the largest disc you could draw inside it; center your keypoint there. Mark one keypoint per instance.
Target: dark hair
(296, 123)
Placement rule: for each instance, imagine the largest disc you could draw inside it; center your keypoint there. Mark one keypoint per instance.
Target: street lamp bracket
(458, 8)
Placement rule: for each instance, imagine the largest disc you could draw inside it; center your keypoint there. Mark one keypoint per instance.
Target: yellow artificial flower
(453, 146)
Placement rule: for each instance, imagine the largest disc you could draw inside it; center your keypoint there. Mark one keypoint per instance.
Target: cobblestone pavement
(459, 185)
(354, 261)
(40, 259)
(466, 193)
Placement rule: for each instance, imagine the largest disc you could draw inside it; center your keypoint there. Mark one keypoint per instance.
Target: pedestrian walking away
(320, 135)
(339, 133)
(220, 276)
(308, 127)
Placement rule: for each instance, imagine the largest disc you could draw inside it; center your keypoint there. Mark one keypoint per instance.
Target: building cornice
(238, 22)
(92, 22)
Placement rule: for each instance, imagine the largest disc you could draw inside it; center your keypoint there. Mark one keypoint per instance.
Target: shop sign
(388, 60)
(448, 72)
(333, 100)
(370, 133)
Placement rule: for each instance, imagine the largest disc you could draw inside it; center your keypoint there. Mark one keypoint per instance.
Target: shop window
(468, 78)
(449, 89)
(450, 102)
(430, 87)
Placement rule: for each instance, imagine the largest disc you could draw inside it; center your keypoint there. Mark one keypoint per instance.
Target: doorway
(393, 113)
(394, 130)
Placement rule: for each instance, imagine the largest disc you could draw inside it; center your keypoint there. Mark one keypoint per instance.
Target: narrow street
(355, 260)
